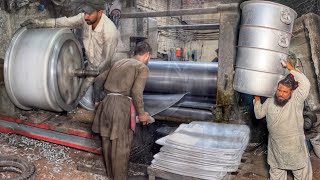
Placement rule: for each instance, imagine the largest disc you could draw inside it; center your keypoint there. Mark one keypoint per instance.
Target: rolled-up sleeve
(260, 110)
(74, 21)
(138, 88)
(301, 93)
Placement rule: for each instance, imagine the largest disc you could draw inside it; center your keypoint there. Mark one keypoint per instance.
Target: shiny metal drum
(195, 78)
(267, 14)
(87, 101)
(264, 41)
(39, 67)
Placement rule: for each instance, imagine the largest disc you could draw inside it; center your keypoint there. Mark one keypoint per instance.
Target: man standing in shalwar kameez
(124, 84)
(287, 150)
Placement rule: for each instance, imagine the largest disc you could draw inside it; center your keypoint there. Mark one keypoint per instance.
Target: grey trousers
(300, 174)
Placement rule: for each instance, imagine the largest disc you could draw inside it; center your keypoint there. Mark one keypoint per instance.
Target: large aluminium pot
(39, 67)
(264, 40)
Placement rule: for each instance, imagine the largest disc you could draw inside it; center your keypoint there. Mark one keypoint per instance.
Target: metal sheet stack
(202, 149)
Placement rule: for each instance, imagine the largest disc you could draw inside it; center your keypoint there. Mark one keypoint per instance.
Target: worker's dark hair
(142, 48)
(289, 82)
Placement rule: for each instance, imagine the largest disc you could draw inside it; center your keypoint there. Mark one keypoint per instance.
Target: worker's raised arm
(301, 93)
(260, 110)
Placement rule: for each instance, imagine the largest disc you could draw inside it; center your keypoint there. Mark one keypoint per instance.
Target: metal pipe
(84, 73)
(181, 12)
(190, 27)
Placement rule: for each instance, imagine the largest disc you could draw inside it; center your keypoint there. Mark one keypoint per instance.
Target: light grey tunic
(286, 149)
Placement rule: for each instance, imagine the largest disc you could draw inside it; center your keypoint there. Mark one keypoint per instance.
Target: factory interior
(211, 62)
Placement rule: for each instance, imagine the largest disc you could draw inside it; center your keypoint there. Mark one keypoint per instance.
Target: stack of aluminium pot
(264, 40)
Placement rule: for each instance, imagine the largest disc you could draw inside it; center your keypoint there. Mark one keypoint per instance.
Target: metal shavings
(99, 177)
(55, 154)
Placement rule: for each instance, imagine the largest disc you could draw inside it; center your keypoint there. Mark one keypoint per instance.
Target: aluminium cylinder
(173, 77)
(39, 67)
(264, 40)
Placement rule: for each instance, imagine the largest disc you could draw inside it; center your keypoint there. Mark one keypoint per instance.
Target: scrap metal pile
(202, 149)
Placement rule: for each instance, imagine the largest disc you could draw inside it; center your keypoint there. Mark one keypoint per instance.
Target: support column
(228, 38)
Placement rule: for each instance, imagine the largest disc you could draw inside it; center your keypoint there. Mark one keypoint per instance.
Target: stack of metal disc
(202, 150)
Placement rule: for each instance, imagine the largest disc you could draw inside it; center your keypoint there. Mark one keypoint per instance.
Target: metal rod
(191, 27)
(84, 73)
(181, 12)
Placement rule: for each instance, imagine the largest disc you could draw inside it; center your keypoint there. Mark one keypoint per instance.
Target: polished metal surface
(195, 78)
(264, 38)
(260, 60)
(39, 67)
(87, 101)
(263, 42)
(86, 72)
(256, 83)
(267, 14)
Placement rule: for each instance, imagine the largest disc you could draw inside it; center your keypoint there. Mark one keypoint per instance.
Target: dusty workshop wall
(205, 50)
(305, 45)
(10, 22)
(167, 39)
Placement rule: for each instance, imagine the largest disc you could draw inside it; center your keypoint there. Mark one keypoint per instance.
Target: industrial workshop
(159, 89)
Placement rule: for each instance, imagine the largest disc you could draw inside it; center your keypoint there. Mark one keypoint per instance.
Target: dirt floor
(56, 162)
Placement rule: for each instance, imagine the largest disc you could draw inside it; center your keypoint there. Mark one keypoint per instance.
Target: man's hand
(37, 23)
(32, 23)
(143, 118)
(288, 65)
(256, 98)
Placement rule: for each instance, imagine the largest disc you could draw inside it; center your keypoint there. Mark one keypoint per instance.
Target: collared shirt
(100, 44)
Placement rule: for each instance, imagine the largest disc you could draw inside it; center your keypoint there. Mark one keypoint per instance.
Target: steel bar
(190, 27)
(181, 12)
(84, 73)
(77, 142)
